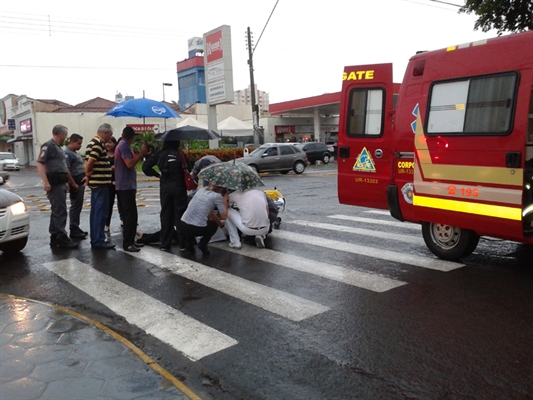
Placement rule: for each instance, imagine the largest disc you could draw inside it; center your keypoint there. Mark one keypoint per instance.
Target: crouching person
(200, 218)
(249, 215)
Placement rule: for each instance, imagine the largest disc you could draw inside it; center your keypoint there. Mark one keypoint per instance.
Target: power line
(58, 32)
(420, 2)
(444, 2)
(74, 26)
(270, 16)
(83, 67)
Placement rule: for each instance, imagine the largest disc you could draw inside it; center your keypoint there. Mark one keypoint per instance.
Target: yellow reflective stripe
(474, 175)
(469, 208)
(480, 193)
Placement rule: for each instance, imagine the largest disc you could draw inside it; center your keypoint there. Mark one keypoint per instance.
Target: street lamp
(165, 84)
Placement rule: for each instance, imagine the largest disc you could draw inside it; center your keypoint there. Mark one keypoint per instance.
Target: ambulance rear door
(365, 135)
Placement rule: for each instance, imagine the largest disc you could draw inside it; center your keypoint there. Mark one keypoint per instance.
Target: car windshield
(8, 156)
(258, 151)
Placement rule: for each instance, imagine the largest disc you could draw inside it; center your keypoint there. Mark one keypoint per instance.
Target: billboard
(25, 126)
(196, 45)
(218, 66)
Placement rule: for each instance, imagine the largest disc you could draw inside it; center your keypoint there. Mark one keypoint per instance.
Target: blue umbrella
(143, 108)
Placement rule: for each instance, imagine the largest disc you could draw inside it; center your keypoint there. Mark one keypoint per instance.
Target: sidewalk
(48, 352)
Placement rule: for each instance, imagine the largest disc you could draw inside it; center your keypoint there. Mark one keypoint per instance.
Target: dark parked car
(316, 151)
(281, 157)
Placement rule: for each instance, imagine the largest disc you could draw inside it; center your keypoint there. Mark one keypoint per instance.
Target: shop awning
(21, 138)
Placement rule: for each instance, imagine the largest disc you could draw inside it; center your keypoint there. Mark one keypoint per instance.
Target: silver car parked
(282, 157)
(14, 220)
(9, 162)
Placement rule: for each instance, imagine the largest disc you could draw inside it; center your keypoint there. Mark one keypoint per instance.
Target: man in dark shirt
(173, 193)
(52, 169)
(76, 179)
(98, 178)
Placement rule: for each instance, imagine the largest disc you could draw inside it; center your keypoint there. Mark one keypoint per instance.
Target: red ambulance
(453, 151)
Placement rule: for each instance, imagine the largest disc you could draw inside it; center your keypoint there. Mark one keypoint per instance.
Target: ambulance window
(478, 105)
(365, 113)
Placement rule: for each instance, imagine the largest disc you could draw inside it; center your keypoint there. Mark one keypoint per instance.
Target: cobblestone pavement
(47, 352)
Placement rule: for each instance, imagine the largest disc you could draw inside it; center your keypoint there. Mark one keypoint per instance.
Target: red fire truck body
(455, 153)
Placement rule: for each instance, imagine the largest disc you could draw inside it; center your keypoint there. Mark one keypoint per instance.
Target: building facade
(244, 96)
(191, 82)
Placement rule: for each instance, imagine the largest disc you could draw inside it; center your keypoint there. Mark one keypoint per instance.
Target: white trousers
(234, 225)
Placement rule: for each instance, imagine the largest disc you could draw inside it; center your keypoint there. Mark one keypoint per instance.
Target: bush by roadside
(222, 154)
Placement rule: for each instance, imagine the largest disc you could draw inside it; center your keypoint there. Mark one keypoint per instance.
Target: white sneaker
(236, 245)
(259, 241)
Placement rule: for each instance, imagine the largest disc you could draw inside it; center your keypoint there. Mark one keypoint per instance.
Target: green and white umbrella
(231, 175)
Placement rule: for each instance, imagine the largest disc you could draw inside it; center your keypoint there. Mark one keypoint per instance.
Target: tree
(503, 15)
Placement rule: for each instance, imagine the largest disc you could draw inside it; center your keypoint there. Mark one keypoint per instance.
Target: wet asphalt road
(462, 331)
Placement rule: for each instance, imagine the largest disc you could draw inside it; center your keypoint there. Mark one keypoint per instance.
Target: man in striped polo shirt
(98, 174)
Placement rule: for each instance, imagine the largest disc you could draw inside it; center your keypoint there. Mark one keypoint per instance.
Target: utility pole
(255, 108)
(165, 84)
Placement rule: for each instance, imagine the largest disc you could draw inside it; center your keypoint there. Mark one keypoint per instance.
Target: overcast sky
(75, 50)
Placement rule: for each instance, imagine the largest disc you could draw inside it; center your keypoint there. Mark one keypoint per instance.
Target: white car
(9, 162)
(14, 221)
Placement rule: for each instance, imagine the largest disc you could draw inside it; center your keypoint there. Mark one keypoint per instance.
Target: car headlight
(18, 208)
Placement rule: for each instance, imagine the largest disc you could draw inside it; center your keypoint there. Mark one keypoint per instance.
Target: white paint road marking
(407, 225)
(380, 212)
(337, 273)
(361, 231)
(193, 338)
(287, 305)
(423, 262)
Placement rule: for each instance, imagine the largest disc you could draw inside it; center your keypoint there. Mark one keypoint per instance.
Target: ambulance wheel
(449, 242)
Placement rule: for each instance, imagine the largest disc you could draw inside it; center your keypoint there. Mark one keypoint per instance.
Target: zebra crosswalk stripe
(403, 225)
(187, 335)
(287, 305)
(382, 254)
(337, 273)
(361, 231)
(379, 212)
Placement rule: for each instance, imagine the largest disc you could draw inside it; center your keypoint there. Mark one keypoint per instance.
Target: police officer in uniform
(52, 168)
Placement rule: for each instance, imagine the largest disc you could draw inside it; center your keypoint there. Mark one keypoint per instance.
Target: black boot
(53, 240)
(67, 244)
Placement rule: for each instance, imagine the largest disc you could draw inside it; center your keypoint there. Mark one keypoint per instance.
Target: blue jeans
(98, 216)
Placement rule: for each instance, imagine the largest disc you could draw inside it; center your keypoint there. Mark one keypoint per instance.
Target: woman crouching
(200, 218)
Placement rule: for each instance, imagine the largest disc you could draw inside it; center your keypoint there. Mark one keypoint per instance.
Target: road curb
(142, 355)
